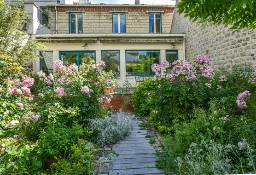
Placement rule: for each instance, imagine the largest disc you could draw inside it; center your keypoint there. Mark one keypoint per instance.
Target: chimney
(137, 2)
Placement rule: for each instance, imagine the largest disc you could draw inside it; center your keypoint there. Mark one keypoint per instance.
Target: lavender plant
(112, 129)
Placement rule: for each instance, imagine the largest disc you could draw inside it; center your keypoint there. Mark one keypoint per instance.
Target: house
(128, 38)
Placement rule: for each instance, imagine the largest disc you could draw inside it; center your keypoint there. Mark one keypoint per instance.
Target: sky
(165, 2)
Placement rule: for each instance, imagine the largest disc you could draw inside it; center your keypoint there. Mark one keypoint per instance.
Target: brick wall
(101, 21)
(225, 47)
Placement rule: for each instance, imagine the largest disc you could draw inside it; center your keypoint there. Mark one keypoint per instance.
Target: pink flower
(241, 145)
(59, 66)
(10, 91)
(202, 59)
(51, 77)
(241, 104)
(85, 89)
(73, 67)
(20, 106)
(26, 90)
(17, 91)
(27, 81)
(60, 91)
(155, 67)
(41, 74)
(165, 64)
(223, 78)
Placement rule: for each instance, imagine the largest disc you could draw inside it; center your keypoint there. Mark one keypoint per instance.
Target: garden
(54, 124)
(206, 117)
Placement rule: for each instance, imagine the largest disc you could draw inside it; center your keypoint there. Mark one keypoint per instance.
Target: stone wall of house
(225, 47)
(101, 22)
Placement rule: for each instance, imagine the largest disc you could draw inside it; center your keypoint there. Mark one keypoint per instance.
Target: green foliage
(57, 139)
(79, 161)
(14, 41)
(238, 13)
(142, 97)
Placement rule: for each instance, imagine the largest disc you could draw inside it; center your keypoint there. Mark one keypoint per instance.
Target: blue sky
(168, 2)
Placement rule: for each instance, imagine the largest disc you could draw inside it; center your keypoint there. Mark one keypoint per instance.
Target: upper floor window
(75, 23)
(119, 23)
(155, 23)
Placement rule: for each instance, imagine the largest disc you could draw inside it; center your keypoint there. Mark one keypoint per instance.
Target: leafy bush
(79, 161)
(142, 97)
(112, 129)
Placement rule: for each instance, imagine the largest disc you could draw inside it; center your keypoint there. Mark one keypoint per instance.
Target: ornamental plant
(76, 87)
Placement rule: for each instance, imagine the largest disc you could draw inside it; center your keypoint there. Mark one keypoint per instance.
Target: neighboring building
(129, 38)
(225, 47)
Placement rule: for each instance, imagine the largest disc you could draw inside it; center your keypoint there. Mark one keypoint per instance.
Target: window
(119, 23)
(75, 23)
(155, 23)
(171, 55)
(77, 57)
(46, 61)
(112, 61)
(139, 62)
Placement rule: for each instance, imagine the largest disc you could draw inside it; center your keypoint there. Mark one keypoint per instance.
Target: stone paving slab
(135, 155)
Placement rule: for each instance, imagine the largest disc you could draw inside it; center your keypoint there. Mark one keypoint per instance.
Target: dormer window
(155, 23)
(75, 23)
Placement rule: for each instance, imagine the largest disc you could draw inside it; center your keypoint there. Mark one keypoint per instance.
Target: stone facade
(97, 20)
(225, 47)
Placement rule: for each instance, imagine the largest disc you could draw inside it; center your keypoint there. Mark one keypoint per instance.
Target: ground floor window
(171, 55)
(77, 57)
(138, 62)
(112, 61)
(46, 61)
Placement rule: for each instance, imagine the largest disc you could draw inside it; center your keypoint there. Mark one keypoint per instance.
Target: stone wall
(225, 47)
(101, 22)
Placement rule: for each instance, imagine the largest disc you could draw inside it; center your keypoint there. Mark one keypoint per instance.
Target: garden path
(135, 155)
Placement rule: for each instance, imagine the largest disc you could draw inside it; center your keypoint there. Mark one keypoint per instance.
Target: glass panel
(151, 23)
(72, 23)
(46, 61)
(115, 23)
(139, 62)
(86, 58)
(171, 56)
(80, 23)
(69, 58)
(122, 23)
(158, 23)
(112, 61)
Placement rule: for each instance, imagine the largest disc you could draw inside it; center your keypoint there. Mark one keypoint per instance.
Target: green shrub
(80, 160)
(142, 97)
(57, 139)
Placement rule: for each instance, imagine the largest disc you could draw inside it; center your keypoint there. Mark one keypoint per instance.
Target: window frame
(176, 51)
(78, 55)
(76, 22)
(118, 22)
(144, 74)
(155, 27)
(119, 76)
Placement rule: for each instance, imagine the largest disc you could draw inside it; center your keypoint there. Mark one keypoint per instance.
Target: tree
(237, 13)
(14, 40)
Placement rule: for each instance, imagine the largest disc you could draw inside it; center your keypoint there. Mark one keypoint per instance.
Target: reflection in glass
(122, 24)
(69, 58)
(115, 23)
(112, 61)
(171, 55)
(72, 23)
(86, 58)
(139, 62)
